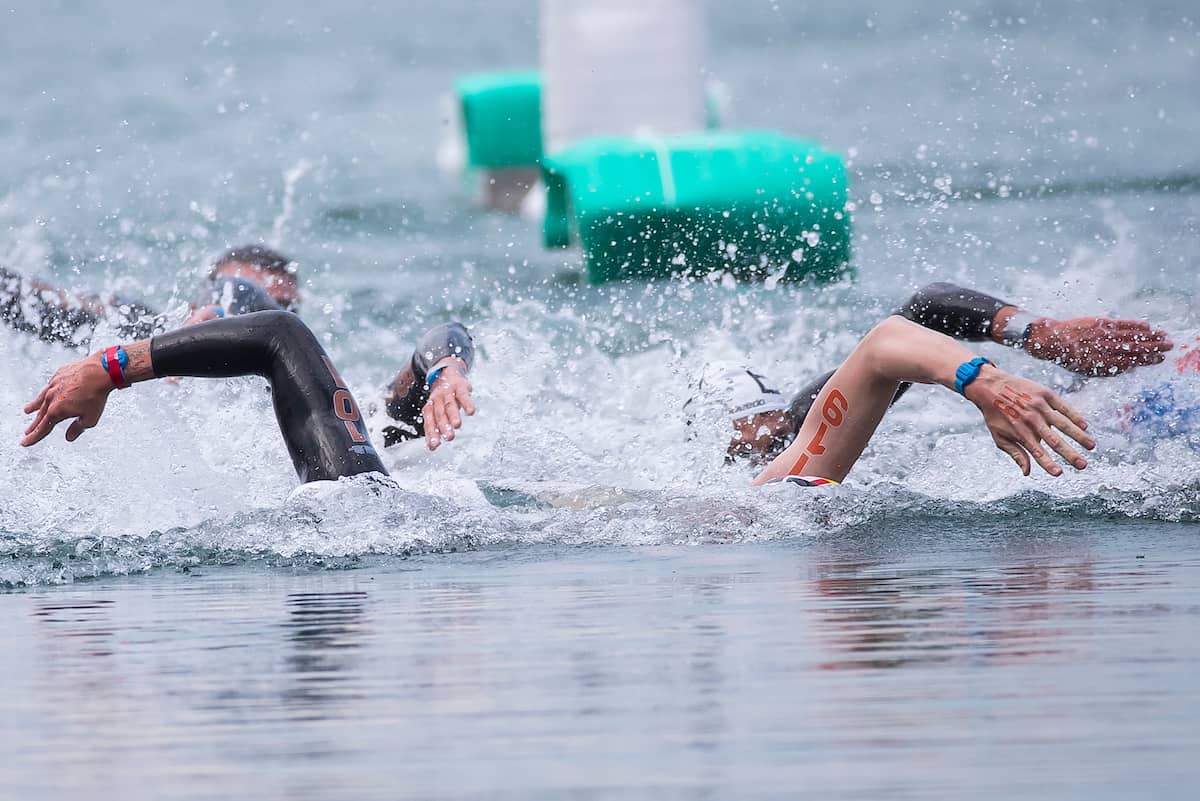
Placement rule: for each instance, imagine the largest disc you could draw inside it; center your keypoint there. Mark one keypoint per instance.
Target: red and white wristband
(114, 360)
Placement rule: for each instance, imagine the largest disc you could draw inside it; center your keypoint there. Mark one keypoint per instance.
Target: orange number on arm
(344, 407)
(833, 412)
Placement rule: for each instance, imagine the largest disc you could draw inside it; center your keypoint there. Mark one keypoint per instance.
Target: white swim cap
(738, 391)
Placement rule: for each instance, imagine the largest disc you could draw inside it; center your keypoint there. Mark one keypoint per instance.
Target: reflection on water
(82, 629)
(881, 618)
(717, 672)
(326, 630)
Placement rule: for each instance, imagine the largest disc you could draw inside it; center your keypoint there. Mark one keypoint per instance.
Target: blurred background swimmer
(243, 279)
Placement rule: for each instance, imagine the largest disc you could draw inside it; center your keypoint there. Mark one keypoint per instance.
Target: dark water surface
(1043, 662)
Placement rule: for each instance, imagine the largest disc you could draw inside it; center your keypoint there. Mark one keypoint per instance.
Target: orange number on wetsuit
(834, 413)
(344, 407)
(831, 411)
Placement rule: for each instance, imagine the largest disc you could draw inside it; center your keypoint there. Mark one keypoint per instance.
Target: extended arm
(1087, 345)
(52, 314)
(418, 403)
(1019, 413)
(317, 415)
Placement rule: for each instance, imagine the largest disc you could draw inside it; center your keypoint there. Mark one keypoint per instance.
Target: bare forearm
(898, 350)
(141, 365)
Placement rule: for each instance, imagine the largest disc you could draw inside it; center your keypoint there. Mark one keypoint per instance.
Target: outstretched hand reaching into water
(1097, 345)
(450, 392)
(1022, 415)
(79, 390)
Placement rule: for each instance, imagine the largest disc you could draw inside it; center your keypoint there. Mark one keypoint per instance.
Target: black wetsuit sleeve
(803, 400)
(954, 311)
(404, 404)
(239, 296)
(317, 415)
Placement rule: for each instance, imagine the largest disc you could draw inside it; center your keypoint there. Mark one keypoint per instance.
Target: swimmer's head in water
(268, 268)
(750, 403)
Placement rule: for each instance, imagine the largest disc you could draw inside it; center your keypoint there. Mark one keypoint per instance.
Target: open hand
(78, 390)
(1097, 345)
(451, 391)
(1022, 415)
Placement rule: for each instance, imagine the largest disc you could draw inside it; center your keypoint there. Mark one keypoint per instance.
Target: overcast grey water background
(576, 599)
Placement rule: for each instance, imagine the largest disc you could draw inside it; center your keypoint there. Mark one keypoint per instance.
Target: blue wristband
(968, 372)
(435, 372)
(217, 310)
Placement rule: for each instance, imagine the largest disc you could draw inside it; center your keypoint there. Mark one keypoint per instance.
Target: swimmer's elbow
(883, 348)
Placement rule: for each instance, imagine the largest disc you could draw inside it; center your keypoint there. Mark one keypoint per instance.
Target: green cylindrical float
(501, 115)
(502, 118)
(753, 204)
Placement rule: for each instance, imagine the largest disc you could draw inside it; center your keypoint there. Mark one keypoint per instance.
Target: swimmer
(1027, 421)
(318, 417)
(244, 279)
(765, 422)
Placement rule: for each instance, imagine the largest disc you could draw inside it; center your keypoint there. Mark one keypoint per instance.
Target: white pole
(621, 68)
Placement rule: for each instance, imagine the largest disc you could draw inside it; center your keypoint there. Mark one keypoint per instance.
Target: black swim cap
(260, 256)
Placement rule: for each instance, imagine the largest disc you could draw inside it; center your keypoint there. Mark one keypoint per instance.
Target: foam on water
(574, 444)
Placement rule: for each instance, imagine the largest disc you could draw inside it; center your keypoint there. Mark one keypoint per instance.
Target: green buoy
(753, 204)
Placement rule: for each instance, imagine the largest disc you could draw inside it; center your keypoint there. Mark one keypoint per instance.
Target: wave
(365, 521)
(908, 183)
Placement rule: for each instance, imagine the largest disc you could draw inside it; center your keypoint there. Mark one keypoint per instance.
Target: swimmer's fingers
(41, 414)
(1131, 343)
(76, 429)
(48, 417)
(1059, 445)
(1031, 441)
(1073, 416)
(1140, 331)
(1036, 429)
(1069, 427)
(1127, 325)
(451, 393)
(452, 415)
(446, 423)
(36, 403)
(82, 423)
(1015, 451)
(465, 400)
(434, 422)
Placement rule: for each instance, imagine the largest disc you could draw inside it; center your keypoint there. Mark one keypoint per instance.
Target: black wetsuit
(948, 309)
(42, 314)
(317, 414)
